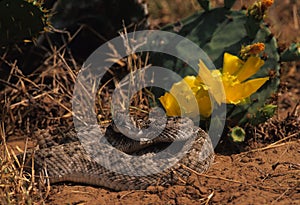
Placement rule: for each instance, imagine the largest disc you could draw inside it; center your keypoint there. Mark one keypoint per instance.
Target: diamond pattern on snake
(105, 157)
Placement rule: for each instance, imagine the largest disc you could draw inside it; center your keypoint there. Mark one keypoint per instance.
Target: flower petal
(186, 99)
(251, 86)
(181, 101)
(231, 64)
(213, 82)
(205, 106)
(170, 104)
(251, 66)
(190, 80)
(237, 93)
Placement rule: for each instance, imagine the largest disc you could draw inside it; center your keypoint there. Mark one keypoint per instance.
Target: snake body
(62, 157)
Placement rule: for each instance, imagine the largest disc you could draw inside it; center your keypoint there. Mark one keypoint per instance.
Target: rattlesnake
(62, 157)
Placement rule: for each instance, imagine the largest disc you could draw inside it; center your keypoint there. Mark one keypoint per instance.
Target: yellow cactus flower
(191, 96)
(234, 75)
(187, 99)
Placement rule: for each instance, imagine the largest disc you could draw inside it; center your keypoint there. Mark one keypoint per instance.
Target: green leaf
(252, 26)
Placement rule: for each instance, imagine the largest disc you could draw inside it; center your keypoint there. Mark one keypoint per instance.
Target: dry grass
(43, 100)
(17, 186)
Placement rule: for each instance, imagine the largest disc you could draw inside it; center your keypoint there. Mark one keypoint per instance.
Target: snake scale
(62, 156)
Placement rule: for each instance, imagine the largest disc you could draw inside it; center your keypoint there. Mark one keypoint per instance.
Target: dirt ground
(264, 170)
(268, 176)
(268, 173)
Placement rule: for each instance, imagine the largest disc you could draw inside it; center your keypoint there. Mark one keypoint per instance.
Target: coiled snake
(120, 163)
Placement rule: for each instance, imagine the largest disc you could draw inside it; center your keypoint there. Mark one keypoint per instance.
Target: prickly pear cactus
(101, 15)
(101, 21)
(90, 22)
(20, 20)
(221, 30)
